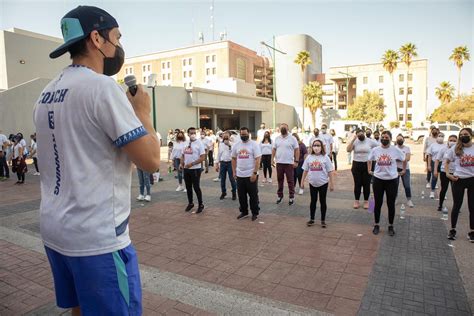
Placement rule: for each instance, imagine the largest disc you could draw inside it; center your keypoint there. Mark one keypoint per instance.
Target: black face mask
(112, 65)
(385, 142)
(400, 142)
(376, 137)
(435, 134)
(283, 131)
(465, 139)
(361, 137)
(244, 138)
(368, 135)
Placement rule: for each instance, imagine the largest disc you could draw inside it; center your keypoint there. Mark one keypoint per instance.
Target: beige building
(374, 78)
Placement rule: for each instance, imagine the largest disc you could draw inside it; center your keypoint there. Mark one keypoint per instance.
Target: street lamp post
(274, 74)
(152, 85)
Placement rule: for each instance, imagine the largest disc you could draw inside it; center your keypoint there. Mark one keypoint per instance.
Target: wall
(284, 114)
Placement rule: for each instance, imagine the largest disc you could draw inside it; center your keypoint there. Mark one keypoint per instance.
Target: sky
(350, 32)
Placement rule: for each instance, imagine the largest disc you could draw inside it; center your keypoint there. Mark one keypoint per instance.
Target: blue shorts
(107, 284)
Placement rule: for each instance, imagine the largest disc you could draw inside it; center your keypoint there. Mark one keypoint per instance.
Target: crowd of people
(13, 154)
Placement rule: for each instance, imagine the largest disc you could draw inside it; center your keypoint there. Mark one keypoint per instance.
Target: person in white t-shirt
(462, 157)
(245, 164)
(318, 168)
(194, 153)
(385, 178)
(210, 147)
(335, 148)
(176, 154)
(4, 170)
(286, 153)
(266, 160)
(206, 142)
(224, 166)
(441, 166)
(261, 133)
(88, 135)
(18, 161)
(327, 139)
(427, 141)
(406, 180)
(432, 153)
(34, 153)
(275, 134)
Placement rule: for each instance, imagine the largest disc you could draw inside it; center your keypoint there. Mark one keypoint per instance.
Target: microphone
(131, 83)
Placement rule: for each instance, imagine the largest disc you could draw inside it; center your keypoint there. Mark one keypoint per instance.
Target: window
(207, 81)
(410, 77)
(163, 65)
(410, 104)
(184, 62)
(168, 64)
(126, 71)
(149, 67)
(214, 70)
(409, 117)
(410, 90)
(190, 61)
(129, 70)
(443, 128)
(169, 76)
(207, 59)
(144, 68)
(453, 128)
(401, 91)
(401, 77)
(144, 79)
(164, 76)
(400, 104)
(190, 84)
(190, 73)
(380, 79)
(213, 58)
(184, 74)
(400, 117)
(365, 80)
(208, 71)
(241, 68)
(380, 91)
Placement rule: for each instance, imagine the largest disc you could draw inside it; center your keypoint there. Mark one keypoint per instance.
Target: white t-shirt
(224, 152)
(385, 161)
(441, 157)
(434, 149)
(327, 140)
(427, 143)
(245, 154)
(464, 164)
(285, 149)
(177, 151)
(206, 142)
(362, 149)
(192, 151)
(406, 150)
(260, 134)
(83, 119)
(210, 142)
(3, 139)
(16, 150)
(318, 167)
(34, 148)
(266, 148)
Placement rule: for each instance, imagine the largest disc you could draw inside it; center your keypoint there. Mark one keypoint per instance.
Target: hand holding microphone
(131, 83)
(138, 97)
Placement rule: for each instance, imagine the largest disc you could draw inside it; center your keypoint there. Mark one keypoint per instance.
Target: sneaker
(452, 234)
(189, 207)
(254, 218)
(264, 180)
(439, 209)
(216, 179)
(140, 198)
(279, 200)
(470, 236)
(185, 190)
(410, 204)
(179, 188)
(323, 224)
(234, 196)
(270, 180)
(222, 196)
(376, 229)
(200, 208)
(36, 174)
(291, 202)
(432, 195)
(366, 205)
(148, 198)
(242, 215)
(356, 204)
(436, 187)
(391, 232)
(301, 191)
(428, 185)
(310, 223)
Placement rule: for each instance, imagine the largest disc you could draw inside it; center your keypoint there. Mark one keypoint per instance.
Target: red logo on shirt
(466, 161)
(188, 150)
(384, 160)
(315, 166)
(243, 154)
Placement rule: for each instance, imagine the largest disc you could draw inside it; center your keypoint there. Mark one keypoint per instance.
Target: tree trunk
(313, 118)
(395, 99)
(459, 82)
(302, 124)
(406, 98)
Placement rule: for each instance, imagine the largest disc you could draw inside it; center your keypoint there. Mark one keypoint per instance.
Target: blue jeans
(176, 163)
(144, 180)
(406, 182)
(226, 169)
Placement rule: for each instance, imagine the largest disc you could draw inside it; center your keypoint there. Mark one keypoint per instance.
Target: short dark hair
(191, 128)
(245, 129)
(80, 48)
(387, 133)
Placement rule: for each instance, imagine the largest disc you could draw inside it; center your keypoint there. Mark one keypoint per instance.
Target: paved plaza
(213, 264)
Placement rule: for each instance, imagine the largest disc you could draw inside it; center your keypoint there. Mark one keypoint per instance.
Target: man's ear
(95, 39)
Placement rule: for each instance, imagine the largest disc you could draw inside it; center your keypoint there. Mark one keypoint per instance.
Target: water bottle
(422, 194)
(371, 205)
(402, 211)
(169, 170)
(445, 214)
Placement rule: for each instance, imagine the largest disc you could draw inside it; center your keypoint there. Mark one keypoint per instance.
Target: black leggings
(192, 179)
(298, 175)
(334, 160)
(390, 187)
(361, 179)
(458, 188)
(267, 165)
(444, 188)
(323, 190)
(35, 162)
(210, 155)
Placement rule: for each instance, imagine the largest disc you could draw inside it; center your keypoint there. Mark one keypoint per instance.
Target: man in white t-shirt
(88, 135)
(246, 157)
(327, 139)
(4, 170)
(205, 141)
(286, 153)
(261, 132)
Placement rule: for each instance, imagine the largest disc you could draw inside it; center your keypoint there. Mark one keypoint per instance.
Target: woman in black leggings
(462, 156)
(441, 166)
(266, 149)
(385, 178)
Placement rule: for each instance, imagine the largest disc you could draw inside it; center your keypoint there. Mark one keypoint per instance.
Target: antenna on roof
(223, 35)
(201, 37)
(212, 19)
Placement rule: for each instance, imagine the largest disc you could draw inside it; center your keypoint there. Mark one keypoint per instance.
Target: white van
(343, 127)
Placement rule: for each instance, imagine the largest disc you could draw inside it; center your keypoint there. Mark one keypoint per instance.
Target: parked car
(419, 133)
(343, 127)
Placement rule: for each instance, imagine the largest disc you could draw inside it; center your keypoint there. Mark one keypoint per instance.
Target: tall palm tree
(303, 59)
(445, 92)
(313, 95)
(459, 56)
(389, 62)
(407, 53)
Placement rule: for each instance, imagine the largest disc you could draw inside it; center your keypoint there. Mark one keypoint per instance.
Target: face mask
(440, 140)
(376, 137)
(451, 144)
(192, 137)
(361, 137)
(283, 131)
(435, 134)
(465, 139)
(368, 135)
(244, 138)
(385, 142)
(317, 149)
(400, 142)
(323, 131)
(112, 65)
(316, 134)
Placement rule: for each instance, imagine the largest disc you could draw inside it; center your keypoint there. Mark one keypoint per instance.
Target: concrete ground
(214, 264)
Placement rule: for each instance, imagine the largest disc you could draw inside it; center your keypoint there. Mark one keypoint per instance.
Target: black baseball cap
(78, 23)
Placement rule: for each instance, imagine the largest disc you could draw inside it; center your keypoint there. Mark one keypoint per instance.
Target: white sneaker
(264, 180)
(185, 190)
(432, 195)
(179, 188)
(437, 187)
(428, 185)
(270, 180)
(216, 179)
(410, 203)
(301, 191)
(36, 174)
(148, 198)
(140, 198)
